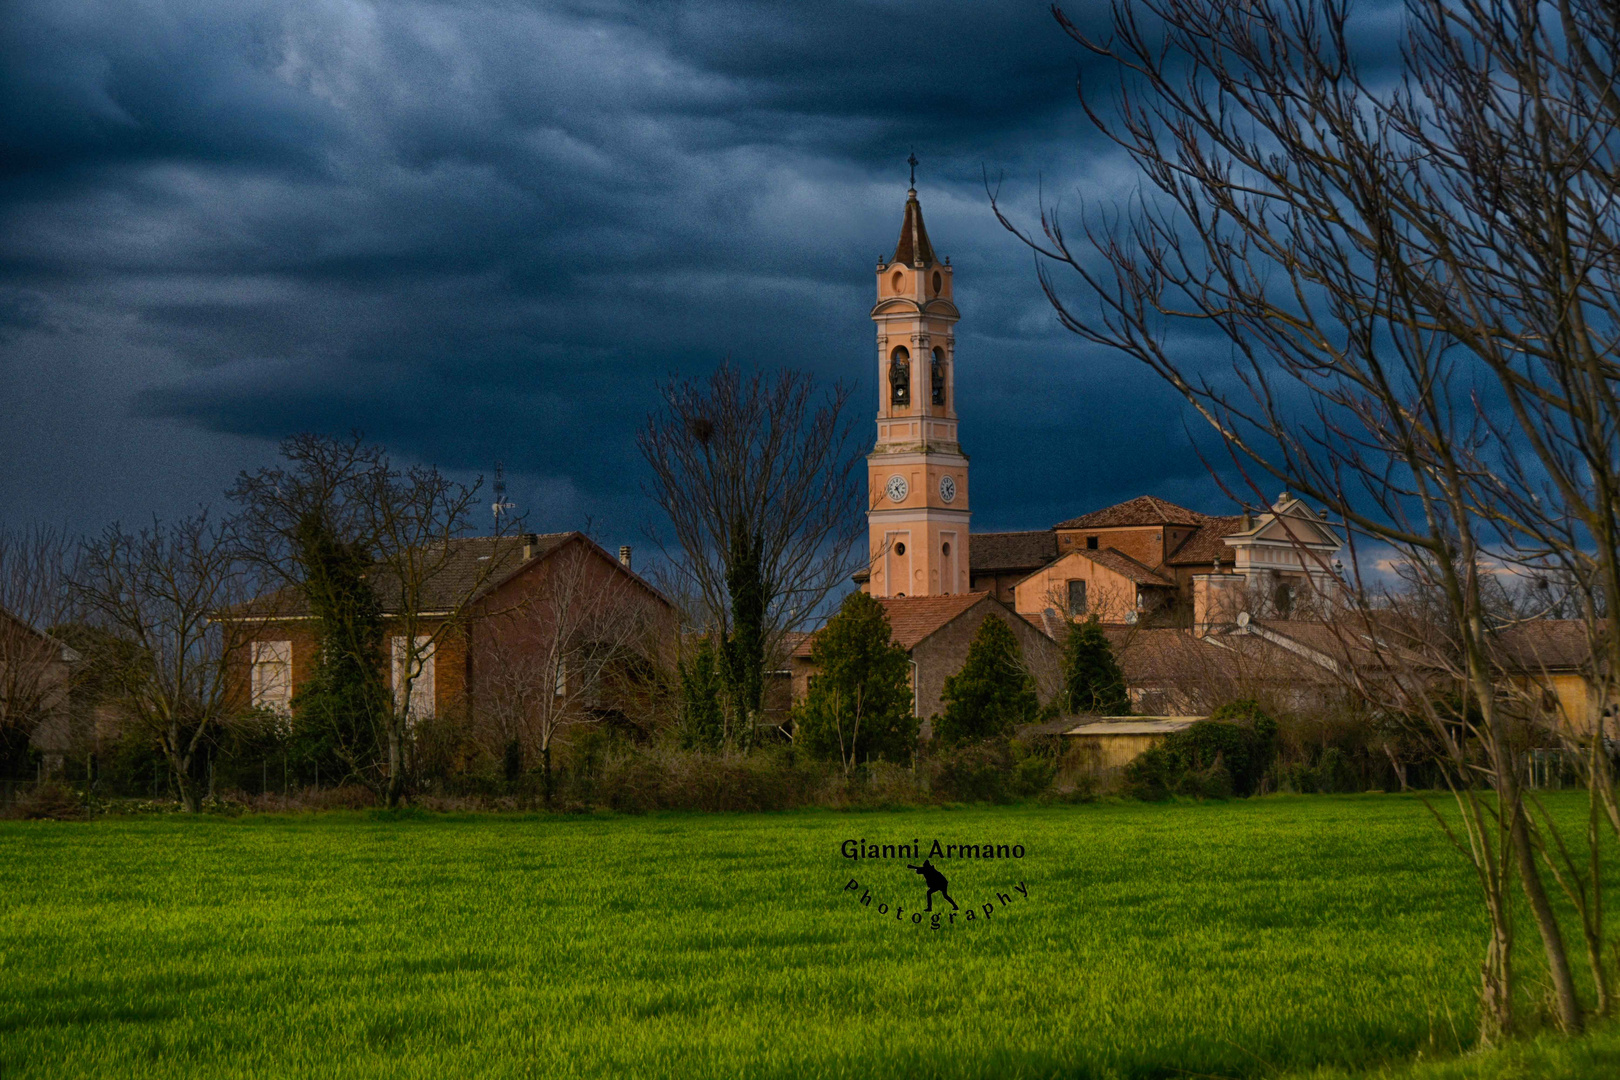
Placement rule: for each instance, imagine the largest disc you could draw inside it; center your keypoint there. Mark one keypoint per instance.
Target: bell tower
(917, 475)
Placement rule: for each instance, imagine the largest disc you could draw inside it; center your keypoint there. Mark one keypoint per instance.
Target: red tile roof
(990, 553)
(1142, 510)
(1125, 566)
(912, 619)
(473, 564)
(1545, 644)
(1207, 542)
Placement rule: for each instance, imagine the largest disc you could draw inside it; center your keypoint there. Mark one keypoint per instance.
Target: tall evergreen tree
(860, 701)
(1092, 679)
(992, 694)
(343, 706)
(702, 716)
(744, 650)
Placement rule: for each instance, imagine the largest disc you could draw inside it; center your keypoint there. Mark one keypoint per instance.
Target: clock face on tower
(897, 488)
(947, 488)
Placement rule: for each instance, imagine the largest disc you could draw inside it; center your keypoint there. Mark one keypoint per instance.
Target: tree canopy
(860, 701)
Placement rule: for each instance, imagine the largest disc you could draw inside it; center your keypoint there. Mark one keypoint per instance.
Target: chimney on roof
(528, 546)
(624, 555)
(1248, 521)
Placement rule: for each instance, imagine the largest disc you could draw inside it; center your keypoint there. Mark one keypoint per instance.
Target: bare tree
(158, 591)
(35, 569)
(758, 471)
(1351, 239)
(581, 646)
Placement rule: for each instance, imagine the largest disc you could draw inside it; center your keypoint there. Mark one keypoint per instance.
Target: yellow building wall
(1110, 596)
(1109, 753)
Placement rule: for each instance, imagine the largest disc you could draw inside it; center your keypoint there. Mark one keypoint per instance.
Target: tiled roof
(913, 246)
(1153, 655)
(1125, 566)
(1207, 542)
(1142, 510)
(1346, 642)
(1544, 644)
(914, 618)
(474, 562)
(1006, 551)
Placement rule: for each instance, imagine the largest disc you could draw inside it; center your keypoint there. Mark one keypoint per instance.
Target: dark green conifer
(1092, 679)
(860, 703)
(992, 694)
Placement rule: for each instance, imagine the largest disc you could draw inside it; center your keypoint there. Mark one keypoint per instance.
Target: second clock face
(898, 488)
(947, 488)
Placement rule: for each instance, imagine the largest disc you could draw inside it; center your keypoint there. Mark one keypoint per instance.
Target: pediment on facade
(895, 305)
(1295, 529)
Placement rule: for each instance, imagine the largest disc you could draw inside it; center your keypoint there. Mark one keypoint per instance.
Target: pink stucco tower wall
(917, 475)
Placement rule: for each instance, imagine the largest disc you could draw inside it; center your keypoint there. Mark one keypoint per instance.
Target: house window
(1091, 543)
(272, 676)
(420, 705)
(1077, 598)
(937, 373)
(1283, 597)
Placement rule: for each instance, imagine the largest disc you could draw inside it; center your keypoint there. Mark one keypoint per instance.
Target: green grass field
(1243, 939)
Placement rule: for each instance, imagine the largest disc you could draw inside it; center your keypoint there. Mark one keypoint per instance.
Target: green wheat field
(1277, 936)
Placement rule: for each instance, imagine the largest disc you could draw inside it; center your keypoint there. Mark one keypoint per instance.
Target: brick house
(936, 631)
(526, 592)
(35, 679)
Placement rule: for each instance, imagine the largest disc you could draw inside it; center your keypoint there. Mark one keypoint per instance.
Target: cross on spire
(912, 160)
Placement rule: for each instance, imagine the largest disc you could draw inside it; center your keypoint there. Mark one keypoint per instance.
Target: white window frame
(270, 685)
(423, 691)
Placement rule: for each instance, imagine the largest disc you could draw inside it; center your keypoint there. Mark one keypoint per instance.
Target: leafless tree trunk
(570, 654)
(737, 460)
(158, 590)
(1352, 242)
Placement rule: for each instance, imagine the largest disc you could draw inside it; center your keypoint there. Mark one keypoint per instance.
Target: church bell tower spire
(917, 475)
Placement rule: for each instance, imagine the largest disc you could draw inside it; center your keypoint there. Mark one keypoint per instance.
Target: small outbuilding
(1109, 743)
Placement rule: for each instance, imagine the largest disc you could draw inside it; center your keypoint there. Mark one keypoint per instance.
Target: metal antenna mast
(501, 506)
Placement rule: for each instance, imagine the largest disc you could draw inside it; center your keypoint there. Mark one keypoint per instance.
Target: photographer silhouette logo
(934, 881)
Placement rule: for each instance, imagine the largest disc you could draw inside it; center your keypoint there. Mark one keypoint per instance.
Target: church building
(1143, 557)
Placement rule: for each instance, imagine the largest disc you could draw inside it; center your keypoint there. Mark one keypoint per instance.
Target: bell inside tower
(900, 377)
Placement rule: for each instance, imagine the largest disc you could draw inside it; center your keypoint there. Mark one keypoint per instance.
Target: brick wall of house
(1144, 544)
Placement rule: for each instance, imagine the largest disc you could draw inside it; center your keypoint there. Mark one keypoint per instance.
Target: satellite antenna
(501, 506)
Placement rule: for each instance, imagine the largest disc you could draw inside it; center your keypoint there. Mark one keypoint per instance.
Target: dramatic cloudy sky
(484, 231)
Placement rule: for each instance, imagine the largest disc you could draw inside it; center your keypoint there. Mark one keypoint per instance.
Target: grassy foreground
(1280, 935)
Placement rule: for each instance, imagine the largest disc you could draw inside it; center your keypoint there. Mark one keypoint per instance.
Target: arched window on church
(900, 377)
(939, 376)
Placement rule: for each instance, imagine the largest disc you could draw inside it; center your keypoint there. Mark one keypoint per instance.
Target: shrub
(1228, 754)
(703, 725)
(994, 692)
(992, 771)
(48, 802)
(1337, 775)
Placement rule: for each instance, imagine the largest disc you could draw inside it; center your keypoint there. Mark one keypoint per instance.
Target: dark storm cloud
(482, 231)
